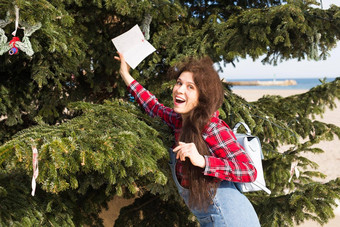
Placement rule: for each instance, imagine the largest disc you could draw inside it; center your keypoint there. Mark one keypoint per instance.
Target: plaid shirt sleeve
(152, 107)
(229, 161)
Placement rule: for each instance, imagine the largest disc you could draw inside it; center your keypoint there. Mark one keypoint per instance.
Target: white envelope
(133, 45)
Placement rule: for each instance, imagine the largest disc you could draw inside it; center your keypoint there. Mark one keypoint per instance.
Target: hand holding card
(133, 46)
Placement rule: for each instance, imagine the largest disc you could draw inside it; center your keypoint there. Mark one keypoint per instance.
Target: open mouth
(179, 100)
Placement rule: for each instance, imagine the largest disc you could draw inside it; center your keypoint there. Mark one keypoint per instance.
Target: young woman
(206, 159)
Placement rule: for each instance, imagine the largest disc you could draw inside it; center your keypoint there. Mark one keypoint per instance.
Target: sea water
(302, 83)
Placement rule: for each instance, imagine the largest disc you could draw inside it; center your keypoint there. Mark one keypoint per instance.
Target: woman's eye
(191, 87)
(179, 83)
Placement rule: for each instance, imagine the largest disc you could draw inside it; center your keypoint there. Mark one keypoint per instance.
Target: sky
(249, 69)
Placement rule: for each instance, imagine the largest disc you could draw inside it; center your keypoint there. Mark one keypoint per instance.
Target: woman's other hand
(189, 150)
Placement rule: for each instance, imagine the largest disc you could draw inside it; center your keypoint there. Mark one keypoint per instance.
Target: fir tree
(68, 100)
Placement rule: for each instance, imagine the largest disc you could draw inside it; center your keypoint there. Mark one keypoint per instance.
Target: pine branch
(111, 139)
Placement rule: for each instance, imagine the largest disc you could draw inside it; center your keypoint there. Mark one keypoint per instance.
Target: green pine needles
(113, 148)
(111, 140)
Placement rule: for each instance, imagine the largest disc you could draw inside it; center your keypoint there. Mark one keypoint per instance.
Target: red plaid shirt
(228, 160)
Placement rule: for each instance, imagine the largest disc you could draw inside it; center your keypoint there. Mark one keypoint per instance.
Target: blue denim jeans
(230, 207)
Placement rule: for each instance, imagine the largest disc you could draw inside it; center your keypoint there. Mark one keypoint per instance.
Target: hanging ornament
(15, 44)
(131, 98)
(14, 49)
(4, 46)
(16, 9)
(35, 168)
(145, 27)
(294, 169)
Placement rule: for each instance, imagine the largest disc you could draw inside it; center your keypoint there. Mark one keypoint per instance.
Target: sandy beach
(329, 162)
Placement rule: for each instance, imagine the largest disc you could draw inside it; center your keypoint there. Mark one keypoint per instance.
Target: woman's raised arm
(124, 69)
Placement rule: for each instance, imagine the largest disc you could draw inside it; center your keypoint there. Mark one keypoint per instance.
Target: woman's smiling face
(185, 93)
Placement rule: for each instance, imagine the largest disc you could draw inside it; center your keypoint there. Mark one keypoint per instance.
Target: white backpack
(252, 146)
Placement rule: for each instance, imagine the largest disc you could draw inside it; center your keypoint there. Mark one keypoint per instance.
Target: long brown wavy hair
(202, 188)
